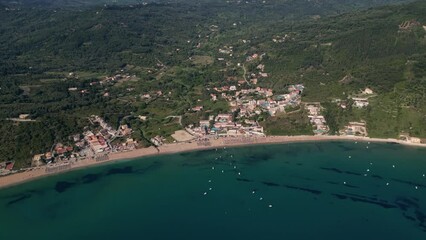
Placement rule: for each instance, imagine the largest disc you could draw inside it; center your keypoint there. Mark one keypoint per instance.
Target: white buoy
(424, 175)
(270, 205)
(417, 187)
(253, 192)
(368, 170)
(387, 184)
(210, 189)
(366, 147)
(344, 182)
(235, 167)
(393, 166)
(261, 198)
(210, 180)
(365, 174)
(350, 156)
(239, 173)
(223, 171)
(371, 163)
(205, 193)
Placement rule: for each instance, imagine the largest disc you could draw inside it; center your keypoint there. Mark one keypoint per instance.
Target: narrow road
(180, 118)
(245, 73)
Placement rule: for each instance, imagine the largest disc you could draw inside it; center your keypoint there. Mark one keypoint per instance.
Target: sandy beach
(34, 173)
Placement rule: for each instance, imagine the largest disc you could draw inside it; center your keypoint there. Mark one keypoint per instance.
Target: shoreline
(40, 172)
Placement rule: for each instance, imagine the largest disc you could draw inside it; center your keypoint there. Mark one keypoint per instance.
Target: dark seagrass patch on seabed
(257, 158)
(376, 176)
(405, 203)
(62, 186)
(350, 186)
(408, 182)
(244, 180)
(331, 169)
(19, 198)
(309, 190)
(412, 211)
(153, 166)
(332, 182)
(421, 217)
(123, 170)
(271, 184)
(344, 146)
(352, 173)
(409, 207)
(22, 196)
(319, 147)
(413, 219)
(90, 178)
(291, 152)
(336, 170)
(364, 199)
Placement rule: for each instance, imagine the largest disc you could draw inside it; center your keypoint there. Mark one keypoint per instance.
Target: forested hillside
(326, 5)
(174, 47)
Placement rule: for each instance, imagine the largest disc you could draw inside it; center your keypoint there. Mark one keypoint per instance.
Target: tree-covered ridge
(63, 3)
(296, 5)
(122, 29)
(175, 48)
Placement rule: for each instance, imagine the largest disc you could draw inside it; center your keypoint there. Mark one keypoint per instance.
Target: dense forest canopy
(331, 5)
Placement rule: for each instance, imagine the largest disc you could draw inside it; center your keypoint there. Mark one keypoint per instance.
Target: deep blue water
(327, 190)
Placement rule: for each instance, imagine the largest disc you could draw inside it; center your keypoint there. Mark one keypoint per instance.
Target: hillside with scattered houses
(118, 77)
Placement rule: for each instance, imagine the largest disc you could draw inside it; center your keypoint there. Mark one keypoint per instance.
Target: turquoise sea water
(328, 190)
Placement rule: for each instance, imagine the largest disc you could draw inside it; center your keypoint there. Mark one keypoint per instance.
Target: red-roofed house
(9, 166)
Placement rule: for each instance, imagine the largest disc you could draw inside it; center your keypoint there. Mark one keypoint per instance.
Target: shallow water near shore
(324, 190)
